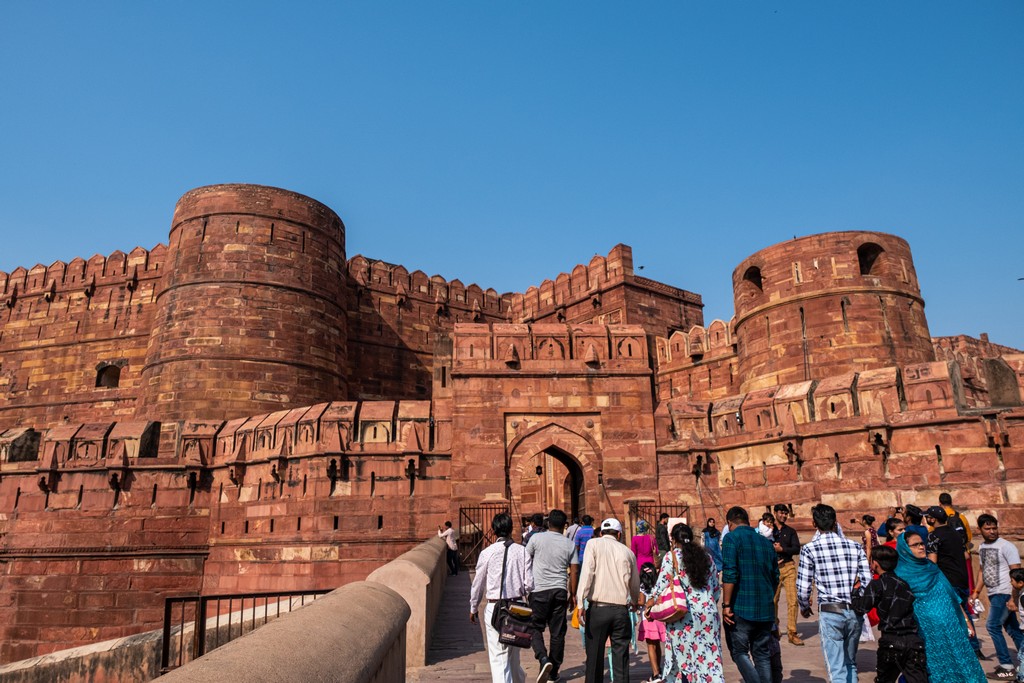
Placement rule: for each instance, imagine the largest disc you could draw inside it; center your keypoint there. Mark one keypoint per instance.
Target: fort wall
(607, 291)
(64, 326)
(244, 410)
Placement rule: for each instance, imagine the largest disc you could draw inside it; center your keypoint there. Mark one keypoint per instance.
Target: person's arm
(804, 577)
(634, 582)
(933, 544)
(1013, 560)
(863, 598)
(574, 580)
(476, 593)
(730, 576)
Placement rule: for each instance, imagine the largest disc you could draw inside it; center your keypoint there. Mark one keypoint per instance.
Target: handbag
(670, 605)
(511, 618)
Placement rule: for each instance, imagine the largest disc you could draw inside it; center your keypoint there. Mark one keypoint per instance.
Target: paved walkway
(457, 652)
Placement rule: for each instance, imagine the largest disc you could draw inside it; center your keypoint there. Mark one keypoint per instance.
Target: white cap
(611, 524)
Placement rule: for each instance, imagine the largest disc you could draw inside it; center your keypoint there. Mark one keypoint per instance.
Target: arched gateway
(553, 466)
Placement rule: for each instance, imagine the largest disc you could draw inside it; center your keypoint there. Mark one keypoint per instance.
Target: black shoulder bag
(511, 618)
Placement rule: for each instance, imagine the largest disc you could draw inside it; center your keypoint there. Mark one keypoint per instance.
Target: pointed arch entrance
(553, 466)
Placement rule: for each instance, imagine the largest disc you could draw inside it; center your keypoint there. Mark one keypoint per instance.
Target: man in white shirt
(550, 560)
(451, 549)
(609, 587)
(503, 557)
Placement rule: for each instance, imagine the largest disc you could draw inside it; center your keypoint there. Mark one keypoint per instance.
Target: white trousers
(504, 660)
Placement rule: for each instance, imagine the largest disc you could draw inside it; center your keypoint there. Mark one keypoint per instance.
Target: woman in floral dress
(693, 645)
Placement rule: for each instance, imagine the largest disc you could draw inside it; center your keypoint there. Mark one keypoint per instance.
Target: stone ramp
(457, 651)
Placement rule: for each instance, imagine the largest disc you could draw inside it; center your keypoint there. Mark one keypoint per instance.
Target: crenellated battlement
(80, 274)
(403, 286)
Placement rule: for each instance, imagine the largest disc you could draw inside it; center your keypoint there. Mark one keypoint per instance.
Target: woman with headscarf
(712, 539)
(643, 544)
(944, 626)
(693, 645)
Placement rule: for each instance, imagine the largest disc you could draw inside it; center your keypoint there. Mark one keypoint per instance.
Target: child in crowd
(901, 648)
(1017, 583)
(651, 632)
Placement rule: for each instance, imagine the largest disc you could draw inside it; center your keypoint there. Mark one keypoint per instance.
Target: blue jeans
(751, 639)
(998, 618)
(840, 635)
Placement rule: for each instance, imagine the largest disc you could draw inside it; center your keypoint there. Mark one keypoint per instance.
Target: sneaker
(1003, 673)
(553, 677)
(545, 670)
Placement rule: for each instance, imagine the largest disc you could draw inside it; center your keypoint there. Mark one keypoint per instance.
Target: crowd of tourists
(678, 593)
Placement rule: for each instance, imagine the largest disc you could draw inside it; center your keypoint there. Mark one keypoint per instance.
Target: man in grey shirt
(552, 559)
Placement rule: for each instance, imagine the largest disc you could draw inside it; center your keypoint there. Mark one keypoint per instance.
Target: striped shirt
(832, 563)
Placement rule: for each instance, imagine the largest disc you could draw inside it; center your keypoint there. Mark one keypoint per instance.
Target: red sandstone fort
(246, 409)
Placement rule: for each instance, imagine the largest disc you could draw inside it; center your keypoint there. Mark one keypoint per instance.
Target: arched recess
(575, 458)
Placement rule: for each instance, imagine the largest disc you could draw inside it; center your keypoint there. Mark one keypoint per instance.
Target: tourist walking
(609, 587)
(661, 537)
(901, 648)
(643, 544)
(944, 625)
(998, 557)
(832, 564)
(451, 548)
(711, 537)
(750, 575)
(649, 631)
(550, 557)
(693, 645)
(787, 549)
(583, 536)
(946, 549)
(505, 558)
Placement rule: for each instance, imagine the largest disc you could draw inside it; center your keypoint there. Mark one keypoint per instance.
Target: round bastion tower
(250, 314)
(825, 305)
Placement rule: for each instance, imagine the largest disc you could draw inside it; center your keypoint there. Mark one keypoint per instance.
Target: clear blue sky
(502, 143)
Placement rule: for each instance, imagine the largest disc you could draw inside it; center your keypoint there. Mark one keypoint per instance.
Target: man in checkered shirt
(833, 563)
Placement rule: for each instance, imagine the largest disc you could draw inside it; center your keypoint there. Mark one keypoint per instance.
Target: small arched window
(868, 257)
(753, 276)
(108, 376)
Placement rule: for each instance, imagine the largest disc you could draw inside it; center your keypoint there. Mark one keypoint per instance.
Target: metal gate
(475, 530)
(652, 511)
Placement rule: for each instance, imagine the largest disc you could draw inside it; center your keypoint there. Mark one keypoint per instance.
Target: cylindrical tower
(827, 304)
(250, 314)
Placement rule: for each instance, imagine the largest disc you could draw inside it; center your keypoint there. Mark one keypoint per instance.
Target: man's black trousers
(549, 608)
(604, 621)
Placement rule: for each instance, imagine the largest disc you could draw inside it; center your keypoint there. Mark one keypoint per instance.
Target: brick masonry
(244, 410)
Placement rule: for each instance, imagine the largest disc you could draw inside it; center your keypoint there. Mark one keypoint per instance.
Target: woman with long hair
(693, 645)
(943, 624)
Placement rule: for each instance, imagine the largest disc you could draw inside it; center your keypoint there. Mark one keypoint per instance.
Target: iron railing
(188, 620)
(475, 530)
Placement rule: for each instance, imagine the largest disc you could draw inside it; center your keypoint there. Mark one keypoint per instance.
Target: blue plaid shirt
(751, 565)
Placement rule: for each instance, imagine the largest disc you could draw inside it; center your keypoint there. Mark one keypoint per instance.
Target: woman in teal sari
(944, 626)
